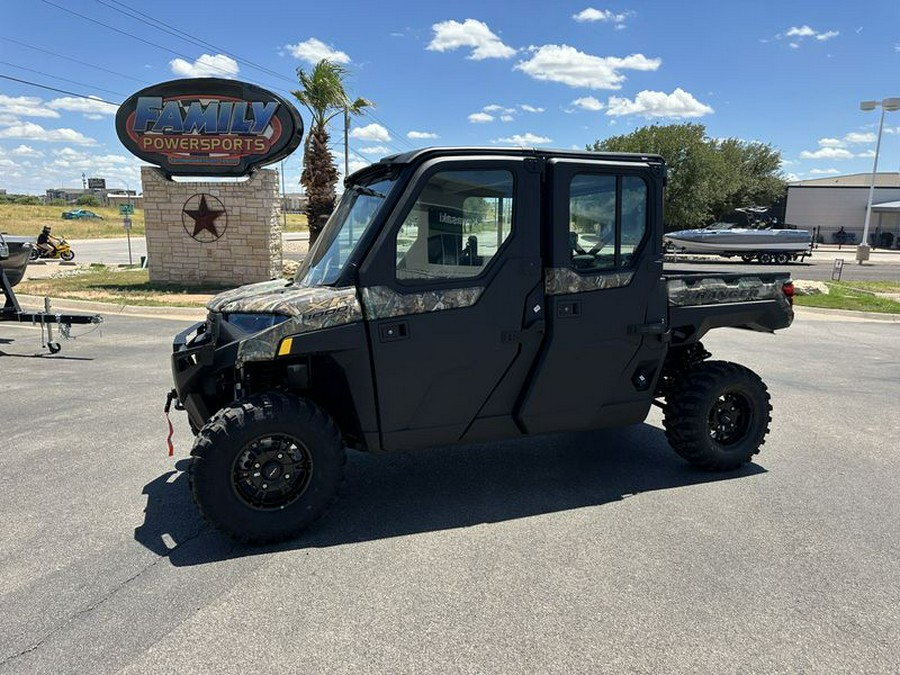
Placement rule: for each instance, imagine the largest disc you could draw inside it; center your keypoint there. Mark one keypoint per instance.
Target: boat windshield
(353, 216)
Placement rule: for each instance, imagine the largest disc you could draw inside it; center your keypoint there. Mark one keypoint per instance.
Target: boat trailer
(11, 311)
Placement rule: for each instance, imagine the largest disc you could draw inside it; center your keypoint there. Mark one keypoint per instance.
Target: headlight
(254, 323)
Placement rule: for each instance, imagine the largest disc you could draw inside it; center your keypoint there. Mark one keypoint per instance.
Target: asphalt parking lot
(584, 553)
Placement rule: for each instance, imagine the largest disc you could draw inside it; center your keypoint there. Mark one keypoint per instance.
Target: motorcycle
(61, 251)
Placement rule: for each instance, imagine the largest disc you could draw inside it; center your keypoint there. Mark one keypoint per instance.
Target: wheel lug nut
(256, 466)
(287, 476)
(280, 455)
(265, 486)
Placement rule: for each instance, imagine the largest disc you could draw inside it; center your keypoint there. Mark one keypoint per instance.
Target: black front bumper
(197, 368)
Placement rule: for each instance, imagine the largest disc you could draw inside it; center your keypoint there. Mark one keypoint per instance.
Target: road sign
(837, 269)
(126, 209)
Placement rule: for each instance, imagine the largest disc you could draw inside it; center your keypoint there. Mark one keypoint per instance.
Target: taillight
(788, 289)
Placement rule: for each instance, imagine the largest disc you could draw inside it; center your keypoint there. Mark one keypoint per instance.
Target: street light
(862, 251)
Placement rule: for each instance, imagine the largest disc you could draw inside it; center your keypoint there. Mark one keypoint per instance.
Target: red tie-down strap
(171, 396)
(169, 437)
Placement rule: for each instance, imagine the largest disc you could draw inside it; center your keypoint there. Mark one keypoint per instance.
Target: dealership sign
(208, 126)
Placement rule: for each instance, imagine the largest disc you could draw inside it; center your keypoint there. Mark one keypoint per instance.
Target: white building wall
(830, 208)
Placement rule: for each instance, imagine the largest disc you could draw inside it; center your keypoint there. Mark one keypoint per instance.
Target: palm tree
(323, 95)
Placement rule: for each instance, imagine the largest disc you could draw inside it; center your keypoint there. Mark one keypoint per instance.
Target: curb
(199, 313)
(106, 308)
(847, 314)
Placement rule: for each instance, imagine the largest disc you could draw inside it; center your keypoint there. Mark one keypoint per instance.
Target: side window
(607, 220)
(456, 226)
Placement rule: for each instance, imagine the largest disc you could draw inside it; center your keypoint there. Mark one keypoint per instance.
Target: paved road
(883, 266)
(588, 553)
(114, 251)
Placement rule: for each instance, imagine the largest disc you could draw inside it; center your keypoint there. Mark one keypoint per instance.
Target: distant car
(77, 214)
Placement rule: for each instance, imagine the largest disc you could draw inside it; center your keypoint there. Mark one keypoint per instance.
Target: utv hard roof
(427, 153)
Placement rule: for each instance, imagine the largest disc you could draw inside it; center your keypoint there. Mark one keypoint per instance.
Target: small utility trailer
(14, 256)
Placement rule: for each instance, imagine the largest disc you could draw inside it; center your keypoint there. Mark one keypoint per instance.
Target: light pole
(887, 104)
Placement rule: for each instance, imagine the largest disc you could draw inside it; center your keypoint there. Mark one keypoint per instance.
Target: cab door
(453, 298)
(606, 300)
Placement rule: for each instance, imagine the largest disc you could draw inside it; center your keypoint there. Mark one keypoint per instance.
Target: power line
(74, 60)
(63, 79)
(61, 91)
(153, 22)
(131, 35)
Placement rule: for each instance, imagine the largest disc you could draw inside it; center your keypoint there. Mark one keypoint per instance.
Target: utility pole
(346, 142)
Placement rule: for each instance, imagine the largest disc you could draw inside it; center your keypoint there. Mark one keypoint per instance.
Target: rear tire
(765, 258)
(747, 258)
(782, 258)
(267, 467)
(717, 415)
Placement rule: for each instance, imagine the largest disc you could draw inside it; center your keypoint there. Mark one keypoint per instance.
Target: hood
(280, 297)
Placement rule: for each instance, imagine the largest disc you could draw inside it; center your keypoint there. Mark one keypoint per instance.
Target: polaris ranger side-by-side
(462, 295)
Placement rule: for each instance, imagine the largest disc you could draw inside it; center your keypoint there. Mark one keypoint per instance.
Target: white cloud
(450, 35)
(868, 153)
(831, 143)
(357, 164)
(659, 104)
(27, 106)
(93, 116)
(530, 108)
(372, 132)
(588, 103)
(35, 132)
(507, 118)
(421, 135)
(856, 137)
(206, 66)
(375, 150)
(481, 118)
(591, 14)
(827, 153)
(8, 120)
(823, 172)
(313, 50)
(804, 31)
(527, 139)
(562, 63)
(26, 151)
(89, 106)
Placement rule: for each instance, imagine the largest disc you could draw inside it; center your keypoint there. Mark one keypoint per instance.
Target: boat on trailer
(766, 245)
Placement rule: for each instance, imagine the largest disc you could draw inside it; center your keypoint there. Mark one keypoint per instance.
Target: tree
(87, 200)
(708, 178)
(323, 95)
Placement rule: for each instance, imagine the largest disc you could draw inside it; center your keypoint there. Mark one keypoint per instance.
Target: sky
(549, 74)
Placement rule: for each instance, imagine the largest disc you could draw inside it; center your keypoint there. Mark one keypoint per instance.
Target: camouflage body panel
(564, 280)
(711, 291)
(383, 303)
(308, 309)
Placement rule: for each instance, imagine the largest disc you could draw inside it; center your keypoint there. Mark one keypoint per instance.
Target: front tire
(717, 415)
(67, 255)
(267, 467)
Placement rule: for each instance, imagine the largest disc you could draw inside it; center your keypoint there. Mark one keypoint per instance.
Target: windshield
(353, 216)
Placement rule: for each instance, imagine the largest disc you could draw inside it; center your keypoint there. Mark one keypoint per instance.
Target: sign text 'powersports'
(208, 126)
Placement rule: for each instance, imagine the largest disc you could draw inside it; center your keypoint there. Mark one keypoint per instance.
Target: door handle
(537, 328)
(391, 332)
(653, 328)
(569, 309)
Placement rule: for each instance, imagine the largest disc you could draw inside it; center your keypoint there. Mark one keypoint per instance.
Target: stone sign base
(212, 233)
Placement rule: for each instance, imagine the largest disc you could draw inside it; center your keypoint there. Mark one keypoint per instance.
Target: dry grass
(28, 220)
(122, 287)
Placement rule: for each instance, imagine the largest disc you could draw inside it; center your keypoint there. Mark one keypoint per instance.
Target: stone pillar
(222, 233)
